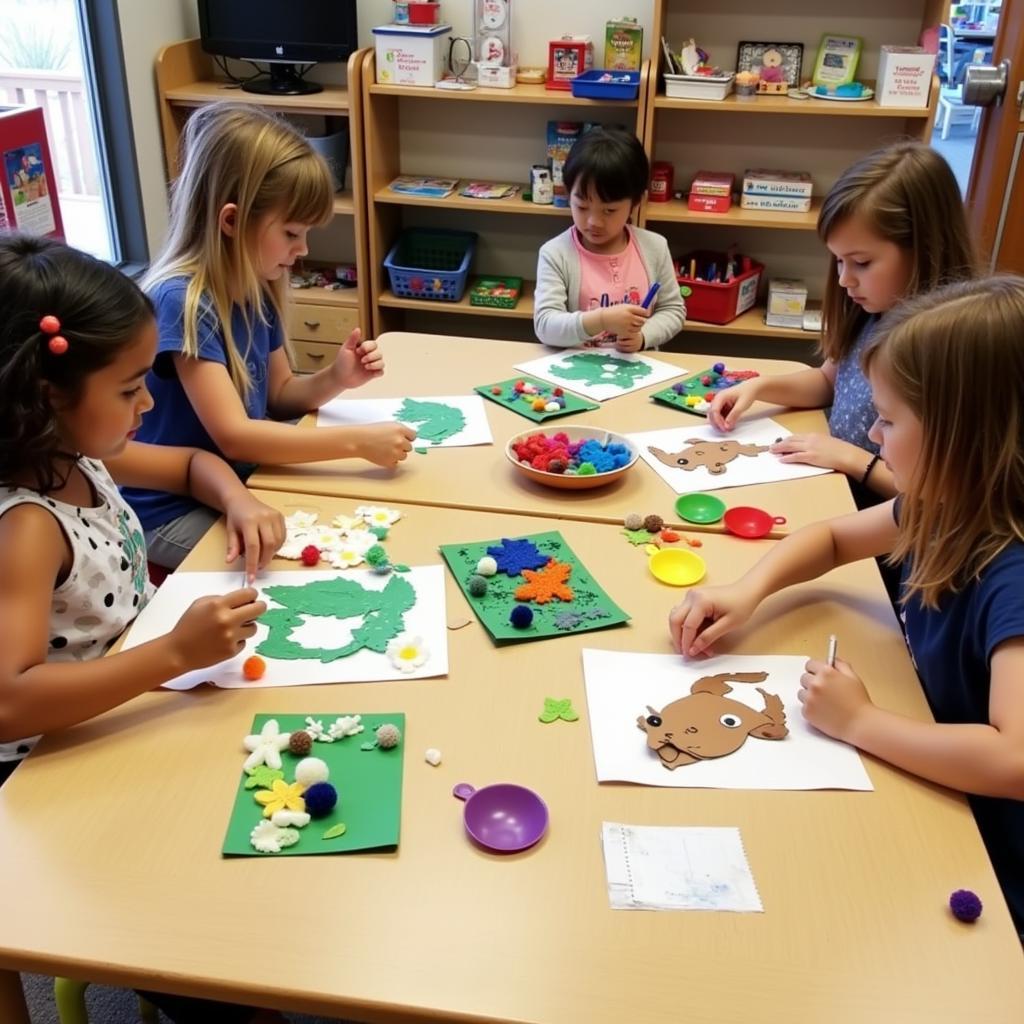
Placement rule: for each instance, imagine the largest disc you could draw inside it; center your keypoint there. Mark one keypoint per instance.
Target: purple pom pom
(521, 616)
(320, 799)
(965, 906)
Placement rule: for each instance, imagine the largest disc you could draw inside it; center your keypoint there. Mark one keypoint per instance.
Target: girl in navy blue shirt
(947, 378)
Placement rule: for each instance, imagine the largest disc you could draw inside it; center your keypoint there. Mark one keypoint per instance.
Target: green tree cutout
(600, 368)
(382, 612)
(437, 421)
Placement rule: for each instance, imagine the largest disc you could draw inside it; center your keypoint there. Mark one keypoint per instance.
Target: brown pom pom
(653, 524)
(301, 743)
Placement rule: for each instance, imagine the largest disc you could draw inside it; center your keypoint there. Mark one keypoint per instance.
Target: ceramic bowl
(581, 432)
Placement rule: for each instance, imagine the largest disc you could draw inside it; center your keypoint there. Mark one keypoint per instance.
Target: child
(593, 278)
(250, 189)
(895, 227)
(958, 528)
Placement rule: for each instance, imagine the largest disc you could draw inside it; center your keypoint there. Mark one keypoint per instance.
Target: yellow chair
(69, 996)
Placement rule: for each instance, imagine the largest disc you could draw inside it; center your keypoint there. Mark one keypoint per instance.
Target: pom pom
(719, 367)
(301, 743)
(477, 586)
(653, 524)
(388, 736)
(311, 770)
(376, 556)
(432, 756)
(538, 405)
(633, 521)
(254, 668)
(496, 390)
(320, 799)
(557, 466)
(487, 566)
(558, 392)
(521, 616)
(669, 536)
(586, 469)
(551, 406)
(381, 570)
(310, 555)
(966, 906)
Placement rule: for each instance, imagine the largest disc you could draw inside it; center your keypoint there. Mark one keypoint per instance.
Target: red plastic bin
(424, 12)
(717, 302)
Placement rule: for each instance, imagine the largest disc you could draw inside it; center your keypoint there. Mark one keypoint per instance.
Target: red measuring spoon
(750, 522)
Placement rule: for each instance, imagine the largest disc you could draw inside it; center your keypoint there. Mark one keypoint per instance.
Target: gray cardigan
(556, 318)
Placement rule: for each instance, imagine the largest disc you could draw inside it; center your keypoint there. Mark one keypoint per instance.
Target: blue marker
(605, 303)
(649, 297)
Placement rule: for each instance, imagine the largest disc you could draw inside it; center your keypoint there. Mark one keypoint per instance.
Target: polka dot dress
(852, 410)
(108, 583)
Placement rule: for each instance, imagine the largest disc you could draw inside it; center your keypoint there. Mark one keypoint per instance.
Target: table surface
(112, 834)
(481, 477)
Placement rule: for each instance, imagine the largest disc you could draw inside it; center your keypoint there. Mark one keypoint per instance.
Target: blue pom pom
(965, 905)
(719, 367)
(521, 616)
(320, 799)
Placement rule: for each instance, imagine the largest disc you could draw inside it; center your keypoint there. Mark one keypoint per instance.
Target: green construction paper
(263, 777)
(369, 795)
(368, 746)
(692, 387)
(590, 609)
(437, 421)
(592, 368)
(335, 830)
(522, 404)
(341, 598)
(556, 709)
(637, 536)
(399, 567)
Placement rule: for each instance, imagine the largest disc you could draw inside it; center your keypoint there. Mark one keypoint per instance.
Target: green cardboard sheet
(590, 608)
(523, 404)
(694, 386)
(369, 785)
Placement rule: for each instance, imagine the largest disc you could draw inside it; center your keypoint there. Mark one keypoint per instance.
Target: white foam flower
(267, 837)
(300, 520)
(347, 725)
(407, 652)
(346, 557)
(361, 540)
(292, 547)
(290, 819)
(265, 746)
(378, 515)
(346, 523)
(326, 538)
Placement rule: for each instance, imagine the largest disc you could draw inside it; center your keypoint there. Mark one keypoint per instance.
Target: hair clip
(57, 344)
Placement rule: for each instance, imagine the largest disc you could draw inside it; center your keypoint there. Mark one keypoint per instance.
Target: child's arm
(39, 696)
(552, 322)
(705, 616)
(291, 394)
(813, 388)
(241, 439)
(252, 527)
(984, 759)
(833, 453)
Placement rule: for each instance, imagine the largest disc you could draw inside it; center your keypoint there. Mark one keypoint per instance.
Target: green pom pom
(376, 556)
(380, 532)
(586, 469)
(477, 586)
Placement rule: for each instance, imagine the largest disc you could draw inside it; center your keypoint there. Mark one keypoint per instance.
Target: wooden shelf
(522, 311)
(346, 297)
(517, 94)
(333, 100)
(676, 212)
(511, 204)
(752, 324)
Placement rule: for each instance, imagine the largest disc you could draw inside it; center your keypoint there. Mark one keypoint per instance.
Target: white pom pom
(432, 756)
(487, 566)
(311, 770)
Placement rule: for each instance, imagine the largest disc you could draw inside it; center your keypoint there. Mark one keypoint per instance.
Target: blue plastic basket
(618, 85)
(431, 263)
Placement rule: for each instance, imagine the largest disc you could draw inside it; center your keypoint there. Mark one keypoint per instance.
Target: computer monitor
(284, 33)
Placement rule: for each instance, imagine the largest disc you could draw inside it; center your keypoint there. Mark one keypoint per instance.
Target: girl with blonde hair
(249, 191)
(895, 227)
(955, 449)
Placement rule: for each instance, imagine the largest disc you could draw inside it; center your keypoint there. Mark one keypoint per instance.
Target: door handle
(312, 324)
(985, 84)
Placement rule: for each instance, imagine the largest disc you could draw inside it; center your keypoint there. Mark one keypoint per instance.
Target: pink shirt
(610, 280)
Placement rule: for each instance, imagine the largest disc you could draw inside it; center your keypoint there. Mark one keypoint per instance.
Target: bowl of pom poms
(574, 458)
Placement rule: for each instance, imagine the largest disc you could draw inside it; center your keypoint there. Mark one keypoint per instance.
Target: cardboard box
(411, 54)
(787, 297)
(496, 76)
(904, 76)
(568, 57)
(28, 186)
(623, 45)
(708, 204)
(713, 183)
(758, 181)
(780, 204)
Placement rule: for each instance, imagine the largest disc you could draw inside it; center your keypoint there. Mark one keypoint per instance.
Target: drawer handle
(311, 324)
(316, 357)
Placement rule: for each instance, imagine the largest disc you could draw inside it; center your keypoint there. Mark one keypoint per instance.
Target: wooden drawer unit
(310, 356)
(308, 321)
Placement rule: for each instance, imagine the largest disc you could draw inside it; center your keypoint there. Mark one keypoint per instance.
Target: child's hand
(820, 450)
(729, 405)
(215, 628)
(624, 343)
(255, 529)
(833, 698)
(624, 319)
(357, 362)
(704, 616)
(385, 444)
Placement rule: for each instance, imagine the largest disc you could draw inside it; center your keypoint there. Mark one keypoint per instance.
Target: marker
(649, 297)
(833, 643)
(605, 301)
(693, 270)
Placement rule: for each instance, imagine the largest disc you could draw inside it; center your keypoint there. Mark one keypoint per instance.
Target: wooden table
(112, 835)
(482, 478)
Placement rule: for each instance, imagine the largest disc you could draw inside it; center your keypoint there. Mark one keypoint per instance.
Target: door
(995, 196)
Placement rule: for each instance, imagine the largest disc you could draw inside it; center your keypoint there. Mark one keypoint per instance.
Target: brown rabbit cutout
(712, 455)
(707, 724)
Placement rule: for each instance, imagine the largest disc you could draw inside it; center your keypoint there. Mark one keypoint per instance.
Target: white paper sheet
(427, 619)
(347, 411)
(655, 868)
(761, 468)
(621, 686)
(609, 374)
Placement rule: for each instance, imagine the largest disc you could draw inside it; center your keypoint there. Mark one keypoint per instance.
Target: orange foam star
(545, 584)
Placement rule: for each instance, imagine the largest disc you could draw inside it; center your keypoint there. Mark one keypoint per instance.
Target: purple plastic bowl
(503, 817)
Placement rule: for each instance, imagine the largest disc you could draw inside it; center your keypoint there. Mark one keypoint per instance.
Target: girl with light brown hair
(894, 226)
(947, 378)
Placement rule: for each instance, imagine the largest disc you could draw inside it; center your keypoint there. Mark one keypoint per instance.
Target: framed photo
(837, 60)
(787, 58)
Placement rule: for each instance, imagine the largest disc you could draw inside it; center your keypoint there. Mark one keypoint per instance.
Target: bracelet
(871, 466)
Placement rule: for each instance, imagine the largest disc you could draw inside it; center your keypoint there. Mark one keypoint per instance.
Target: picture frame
(750, 55)
(837, 60)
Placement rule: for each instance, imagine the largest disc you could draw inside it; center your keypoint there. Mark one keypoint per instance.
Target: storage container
(411, 54)
(717, 302)
(607, 85)
(431, 263)
(424, 12)
(699, 87)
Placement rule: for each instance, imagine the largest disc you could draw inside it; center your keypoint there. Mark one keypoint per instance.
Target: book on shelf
(488, 190)
(433, 188)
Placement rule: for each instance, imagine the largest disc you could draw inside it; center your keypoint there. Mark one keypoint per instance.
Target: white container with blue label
(411, 54)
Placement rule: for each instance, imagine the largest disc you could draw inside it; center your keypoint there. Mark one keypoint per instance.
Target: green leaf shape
(335, 830)
(382, 612)
(263, 777)
(638, 536)
(369, 746)
(400, 567)
(597, 368)
(437, 421)
(555, 709)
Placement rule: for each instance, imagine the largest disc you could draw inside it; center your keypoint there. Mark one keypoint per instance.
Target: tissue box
(787, 300)
(410, 54)
(904, 76)
(496, 76)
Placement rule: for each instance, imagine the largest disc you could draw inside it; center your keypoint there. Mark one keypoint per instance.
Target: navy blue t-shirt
(952, 649)
(172, 420)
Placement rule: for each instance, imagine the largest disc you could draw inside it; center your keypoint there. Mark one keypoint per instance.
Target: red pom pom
(49, 325)
(557, 393)
(669, 536)
(310, 555)
(58, 344)
(496, 390)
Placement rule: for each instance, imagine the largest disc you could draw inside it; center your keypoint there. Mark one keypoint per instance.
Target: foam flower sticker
(377, 515)
(267, 837)
(407, 652)
(300, 520)
(327, 538)
(346, 523)
(266, 746)
(346, 557)
(282, 796)
(361, 540)
(293, 545)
